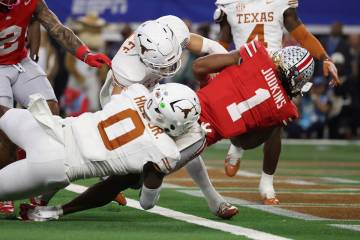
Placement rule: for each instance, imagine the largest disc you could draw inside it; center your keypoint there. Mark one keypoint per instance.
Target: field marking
(339, 180)
(243, 173)
(318, 142)
(225, 227)
(270, 209)
(348, 227)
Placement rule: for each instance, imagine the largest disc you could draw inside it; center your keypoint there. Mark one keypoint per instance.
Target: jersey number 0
(137, 131)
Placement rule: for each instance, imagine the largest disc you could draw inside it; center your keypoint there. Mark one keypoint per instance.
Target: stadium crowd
(325, 112)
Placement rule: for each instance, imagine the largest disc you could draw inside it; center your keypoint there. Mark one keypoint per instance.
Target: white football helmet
(173, 107)
(296, 67)
(158, 48)
(179, 28)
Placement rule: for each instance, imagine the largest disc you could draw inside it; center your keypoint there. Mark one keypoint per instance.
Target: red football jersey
(13, 28)
(245, 97)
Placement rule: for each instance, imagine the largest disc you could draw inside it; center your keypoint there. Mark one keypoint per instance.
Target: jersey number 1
(236, 110)
(258, 32)
(117, 142)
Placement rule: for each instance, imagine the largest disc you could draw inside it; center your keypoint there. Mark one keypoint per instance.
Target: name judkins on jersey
(275, 89)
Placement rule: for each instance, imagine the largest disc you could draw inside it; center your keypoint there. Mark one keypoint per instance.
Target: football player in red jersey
(21, 77)
(242, 21)
(245, 103)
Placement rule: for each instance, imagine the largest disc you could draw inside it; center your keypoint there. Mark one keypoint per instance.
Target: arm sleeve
(309, 41)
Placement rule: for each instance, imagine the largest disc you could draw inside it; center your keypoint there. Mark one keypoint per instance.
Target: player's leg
(33, 80)
(95, 196)
(7, 148)
(272, 149)
(217, 204)
(44, 167)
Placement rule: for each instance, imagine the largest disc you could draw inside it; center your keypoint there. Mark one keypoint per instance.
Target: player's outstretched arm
(307, 40)
(66, 38)
(201, 45)
(214, 63)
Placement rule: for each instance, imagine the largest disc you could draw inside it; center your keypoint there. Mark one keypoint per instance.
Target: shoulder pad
(221, 2)
(219, 15)
(293, 3)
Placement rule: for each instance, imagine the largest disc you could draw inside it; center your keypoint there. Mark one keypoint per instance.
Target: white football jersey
(120, 136)
(127, 66)
(261, 20)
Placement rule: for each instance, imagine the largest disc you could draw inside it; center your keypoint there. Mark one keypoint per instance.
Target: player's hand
(329, 68)
(93, 59)
(97, 60)
(206, 127)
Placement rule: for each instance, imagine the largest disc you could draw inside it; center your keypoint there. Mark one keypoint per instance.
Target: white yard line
(339, 180)
(225, 227)
(270, 209)
(348, 227)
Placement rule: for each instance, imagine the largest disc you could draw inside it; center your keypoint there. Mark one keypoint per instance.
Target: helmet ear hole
(172, 127)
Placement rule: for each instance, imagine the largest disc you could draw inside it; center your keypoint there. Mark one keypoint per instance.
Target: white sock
(234, 154)
(197, 170)
(266, 186)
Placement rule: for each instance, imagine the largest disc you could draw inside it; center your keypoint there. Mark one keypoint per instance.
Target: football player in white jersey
(150, 54)
(118, 140)
(242, 21)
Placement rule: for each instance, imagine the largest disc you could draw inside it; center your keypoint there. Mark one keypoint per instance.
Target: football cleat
(37, 201)
(232, 161)
(39, 213)
(232, 166)
(267, 193)
(121, 199)
(271, 201)
(226, 211)
(7, 207)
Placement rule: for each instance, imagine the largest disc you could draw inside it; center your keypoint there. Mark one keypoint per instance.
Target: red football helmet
(9, 3)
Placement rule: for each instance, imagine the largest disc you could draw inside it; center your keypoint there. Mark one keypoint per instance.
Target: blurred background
(104, 24)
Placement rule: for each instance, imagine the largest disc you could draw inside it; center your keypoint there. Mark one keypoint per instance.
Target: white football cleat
(39, 213)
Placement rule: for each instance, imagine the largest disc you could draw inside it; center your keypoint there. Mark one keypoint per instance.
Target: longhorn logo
(185, 111)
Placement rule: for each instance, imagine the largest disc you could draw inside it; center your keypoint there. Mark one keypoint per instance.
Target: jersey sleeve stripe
(248, 50)
(253, 46)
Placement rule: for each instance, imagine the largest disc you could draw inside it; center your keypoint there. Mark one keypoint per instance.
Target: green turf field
(301, 162)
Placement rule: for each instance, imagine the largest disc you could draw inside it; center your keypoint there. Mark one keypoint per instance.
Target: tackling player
(242, 21)
(117, 140)
(250, 96)
(19, 75)
(151, 54)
